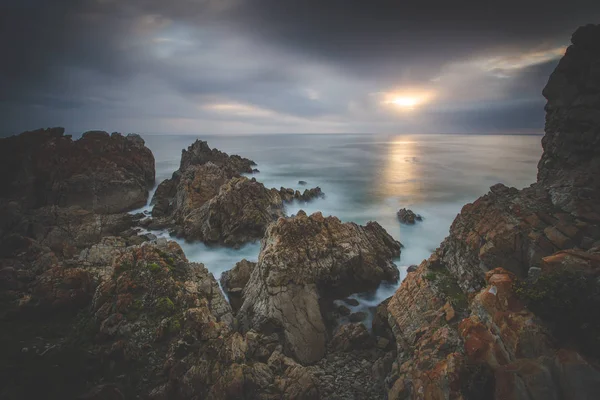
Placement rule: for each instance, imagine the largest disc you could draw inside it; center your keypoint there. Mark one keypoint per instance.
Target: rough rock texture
(201, 172)
(208, 200)
(570, 166)
(200, 153)
(100, 172)
(234, 281)
(151, 325)
(464, 320)
(239, 213)
(307, 260)
(408, 217)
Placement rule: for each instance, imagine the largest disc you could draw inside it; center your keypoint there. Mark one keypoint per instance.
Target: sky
(281, 66)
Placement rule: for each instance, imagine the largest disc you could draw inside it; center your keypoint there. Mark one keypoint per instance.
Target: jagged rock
(182, 197)
(201, 172)
(461, 329)
(99, 172)
(288, 195)
(307, 259)
(208, 200)
(234, 281)
(408, 217)
(240, 213)
(569, 167)
(200, 153)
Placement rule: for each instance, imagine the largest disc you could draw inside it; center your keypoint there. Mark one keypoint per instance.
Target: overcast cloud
(279, 66)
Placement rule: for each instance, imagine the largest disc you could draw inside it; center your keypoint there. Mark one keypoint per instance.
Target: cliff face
(506, 306)
(570, 165)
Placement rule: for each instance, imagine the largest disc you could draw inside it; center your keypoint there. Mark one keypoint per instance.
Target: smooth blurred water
(368, 178)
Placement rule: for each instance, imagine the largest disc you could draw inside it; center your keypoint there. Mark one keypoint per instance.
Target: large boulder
(305, 260)
(99, 172)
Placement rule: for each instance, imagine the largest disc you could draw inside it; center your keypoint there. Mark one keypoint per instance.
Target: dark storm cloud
(269, 63)
(419, 34)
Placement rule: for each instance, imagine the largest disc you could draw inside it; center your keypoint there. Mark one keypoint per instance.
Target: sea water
(368, 178)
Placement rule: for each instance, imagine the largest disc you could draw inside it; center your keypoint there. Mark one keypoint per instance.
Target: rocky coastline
(92, 307)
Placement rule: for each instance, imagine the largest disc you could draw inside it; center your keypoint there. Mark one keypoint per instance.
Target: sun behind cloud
(407, 100)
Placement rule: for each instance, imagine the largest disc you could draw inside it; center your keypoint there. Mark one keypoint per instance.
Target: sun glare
(407, 101)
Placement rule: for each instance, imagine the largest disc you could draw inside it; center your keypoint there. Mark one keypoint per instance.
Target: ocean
(368, 178)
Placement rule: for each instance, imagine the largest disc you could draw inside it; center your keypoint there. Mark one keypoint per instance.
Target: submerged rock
(304, 260)
(408, 217)
(99, 172)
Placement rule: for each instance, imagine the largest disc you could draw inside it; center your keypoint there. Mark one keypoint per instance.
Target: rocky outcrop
(99, 172)
(208, 200)
(152, 324)
(199, 153)
(239, 213)
(570, 167)
(464, 320)
(308, 260)
(408, 217)
(201, 172)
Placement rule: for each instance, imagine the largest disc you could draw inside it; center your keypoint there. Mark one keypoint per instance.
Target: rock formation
(207, 199)
(305, 260)
(99, 172)
(408, 217)
(463, 321)
(288, 195)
